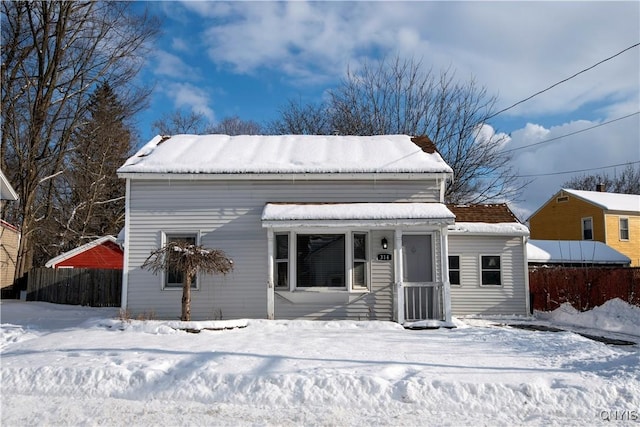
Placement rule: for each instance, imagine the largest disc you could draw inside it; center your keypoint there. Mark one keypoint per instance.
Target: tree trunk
(186, 297)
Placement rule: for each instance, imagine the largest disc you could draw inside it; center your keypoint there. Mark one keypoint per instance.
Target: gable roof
(80, 249)
(262, 154)
(573, 252)
(488, 213)
(6, 190)
(487, 219)
(608, 201)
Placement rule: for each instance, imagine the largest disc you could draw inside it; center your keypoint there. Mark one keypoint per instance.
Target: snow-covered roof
(609, 201)
(574, 252)
(75, 251)
(6, 190)
(498, 229)
(260, 154)
(364, 213)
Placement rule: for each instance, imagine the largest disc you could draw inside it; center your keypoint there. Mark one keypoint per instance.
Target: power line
(576, 171)
(562, 81)
(571, 133)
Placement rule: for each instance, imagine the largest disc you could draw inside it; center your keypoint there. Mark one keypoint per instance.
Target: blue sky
(248, 58)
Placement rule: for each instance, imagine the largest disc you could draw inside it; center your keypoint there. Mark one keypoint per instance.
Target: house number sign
(384, 257)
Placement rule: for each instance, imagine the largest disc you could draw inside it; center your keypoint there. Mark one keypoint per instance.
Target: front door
(420, 293)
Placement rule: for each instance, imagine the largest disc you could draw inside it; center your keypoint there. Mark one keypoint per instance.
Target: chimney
(600, 188)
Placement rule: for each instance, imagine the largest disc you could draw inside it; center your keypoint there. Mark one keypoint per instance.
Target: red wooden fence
(584, 288)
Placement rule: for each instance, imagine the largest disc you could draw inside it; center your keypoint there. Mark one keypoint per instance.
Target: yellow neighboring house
(610, 218)
(9, 237)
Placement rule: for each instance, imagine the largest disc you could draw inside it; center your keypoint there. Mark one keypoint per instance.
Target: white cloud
(170, 65)
(185, 95)
(611, 144)
(513, 48)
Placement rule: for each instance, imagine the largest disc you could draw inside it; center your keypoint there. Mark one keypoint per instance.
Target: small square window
(491, 271)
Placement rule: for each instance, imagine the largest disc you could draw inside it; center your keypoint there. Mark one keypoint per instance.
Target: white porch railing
(419, 301)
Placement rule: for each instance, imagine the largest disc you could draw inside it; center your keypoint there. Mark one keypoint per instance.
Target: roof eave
(324, 176)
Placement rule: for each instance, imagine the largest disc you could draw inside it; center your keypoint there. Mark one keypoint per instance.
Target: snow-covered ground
(70, 365)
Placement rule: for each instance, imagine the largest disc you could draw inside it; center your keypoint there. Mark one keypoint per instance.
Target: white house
(318, 227)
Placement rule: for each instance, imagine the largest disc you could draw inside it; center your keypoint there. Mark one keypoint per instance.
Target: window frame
(348, 260)
(458, 270)
(582, 222)
(166, 236)
(277, 260)
(621, 229)
(482, 270)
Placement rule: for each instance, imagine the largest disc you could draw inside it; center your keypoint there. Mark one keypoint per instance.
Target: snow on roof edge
(484, 228)
(75, 251)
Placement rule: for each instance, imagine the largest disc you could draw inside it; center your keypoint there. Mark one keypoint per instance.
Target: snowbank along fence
(76, 286)
(584, 288)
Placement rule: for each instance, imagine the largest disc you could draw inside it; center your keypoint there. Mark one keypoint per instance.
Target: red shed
(102, 253)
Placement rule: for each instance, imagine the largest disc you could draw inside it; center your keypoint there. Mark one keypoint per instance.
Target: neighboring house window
(491, 273)
(587, 229)
(173, 278)
(624, 228)
(282, 261)
(454, 269)
(359, 261)
(320, 261)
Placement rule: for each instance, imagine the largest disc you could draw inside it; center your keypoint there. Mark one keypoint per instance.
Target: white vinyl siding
(228, 216)
(471, 297)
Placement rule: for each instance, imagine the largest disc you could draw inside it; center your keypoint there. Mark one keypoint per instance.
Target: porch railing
(420, 301)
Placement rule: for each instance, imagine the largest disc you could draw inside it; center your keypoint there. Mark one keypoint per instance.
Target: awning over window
(371, 215)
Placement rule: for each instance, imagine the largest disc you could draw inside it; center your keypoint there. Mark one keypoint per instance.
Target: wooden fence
(584, 288)
(75, 286)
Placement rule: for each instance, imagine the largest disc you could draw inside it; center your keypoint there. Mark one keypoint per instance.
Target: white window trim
(163, 241)
(459, 270)
(348, 233)
(480, 269)
(620, 219)
(583, 229)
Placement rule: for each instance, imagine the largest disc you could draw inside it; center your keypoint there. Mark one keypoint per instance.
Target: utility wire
(570, 134)
(580, 170)
(562, 81)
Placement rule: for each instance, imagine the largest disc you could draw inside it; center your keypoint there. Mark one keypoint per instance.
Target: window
(624, 228)
(491, 275)
(282, 261)
(587, 229)
(337, 261)
(320, 260)
(454, 269)
(173, 278)
(359, 261)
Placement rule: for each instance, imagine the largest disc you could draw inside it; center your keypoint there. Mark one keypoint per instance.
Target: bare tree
(179, 122)
(302, 119)
(54, 54)
(236, 126)
(627, 182)
(187, 259)
(400, 97)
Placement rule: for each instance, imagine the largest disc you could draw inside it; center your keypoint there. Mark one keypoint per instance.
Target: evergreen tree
(93, 205)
